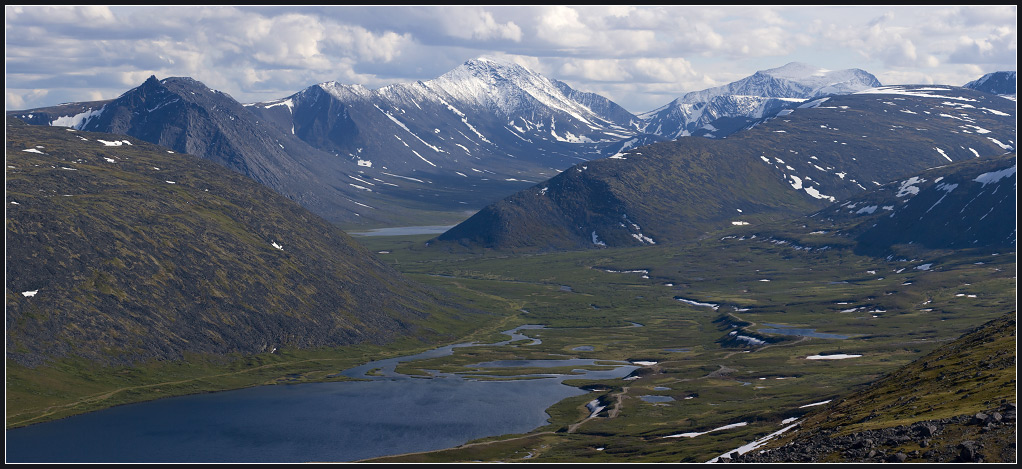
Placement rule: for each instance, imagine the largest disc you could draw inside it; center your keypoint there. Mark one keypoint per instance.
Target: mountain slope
(956, 404)
(121, 252)
(485, 123)
(996, 83)
(828, 149)
(963, 205)
(187, 117)
(719, 111)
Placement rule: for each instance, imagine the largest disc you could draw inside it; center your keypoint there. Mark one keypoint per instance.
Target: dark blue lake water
(344, 421)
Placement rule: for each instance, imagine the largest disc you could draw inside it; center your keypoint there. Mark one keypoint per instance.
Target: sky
(640, 57)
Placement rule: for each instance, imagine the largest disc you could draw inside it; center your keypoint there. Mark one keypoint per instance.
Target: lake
(343, 421)
(782, 329)
(403, 230)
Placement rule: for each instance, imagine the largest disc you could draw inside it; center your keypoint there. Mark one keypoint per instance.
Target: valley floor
(738, 338)
(734, 339)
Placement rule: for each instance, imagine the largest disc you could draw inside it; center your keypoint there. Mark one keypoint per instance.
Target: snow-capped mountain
(760, 95)
(1003, 83)
(184, 115)
(485, 119)
(473, 135)
(823, 151)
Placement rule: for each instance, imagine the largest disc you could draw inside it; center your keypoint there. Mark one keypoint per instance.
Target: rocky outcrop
(981, 437)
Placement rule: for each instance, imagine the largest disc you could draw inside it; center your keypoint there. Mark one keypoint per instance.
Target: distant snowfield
(910, 91)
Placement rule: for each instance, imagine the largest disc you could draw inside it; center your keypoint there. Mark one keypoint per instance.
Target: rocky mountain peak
(1003, 82)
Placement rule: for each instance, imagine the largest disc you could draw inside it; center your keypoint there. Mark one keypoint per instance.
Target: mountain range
(186, 116)
(174, 222)
(803, 159)
(716, 112)
(407, 152)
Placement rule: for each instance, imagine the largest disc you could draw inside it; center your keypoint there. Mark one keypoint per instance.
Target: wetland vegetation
(878, 314)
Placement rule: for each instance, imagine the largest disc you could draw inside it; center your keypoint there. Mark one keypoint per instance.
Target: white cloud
(16, 99)
(561, 26)
(67, 53)
(881, 39)
(671, 70)
(478, 24)
(595, 69)
(998, 47)
(93, 15)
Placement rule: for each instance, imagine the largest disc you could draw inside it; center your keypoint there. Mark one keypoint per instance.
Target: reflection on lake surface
(388, 413)
(782, 329)
(538, 363)
(655, 399)
(403, 230)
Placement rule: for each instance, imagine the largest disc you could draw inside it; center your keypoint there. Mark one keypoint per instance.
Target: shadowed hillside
(120, 251)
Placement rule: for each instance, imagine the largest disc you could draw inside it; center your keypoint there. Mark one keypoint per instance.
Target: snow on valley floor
(695, 434)
(758, 443)
(837, 356)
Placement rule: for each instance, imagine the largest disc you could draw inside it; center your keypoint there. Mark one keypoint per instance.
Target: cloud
(561, 25)
(595, 70)
(881, 38)
(477, 24)
(93, 15)
(671, 70)
(16, 99)
(270, 52)
(999, 47)
(225, 47)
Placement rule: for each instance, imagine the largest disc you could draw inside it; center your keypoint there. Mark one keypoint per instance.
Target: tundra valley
(803, 265)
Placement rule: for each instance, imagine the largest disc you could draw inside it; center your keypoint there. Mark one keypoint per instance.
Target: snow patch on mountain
(79, 120)
(992, 177)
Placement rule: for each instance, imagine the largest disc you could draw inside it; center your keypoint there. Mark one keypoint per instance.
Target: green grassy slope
(956, 404)
(129, 260)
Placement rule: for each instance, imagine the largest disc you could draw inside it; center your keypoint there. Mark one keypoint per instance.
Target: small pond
(782, 329)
